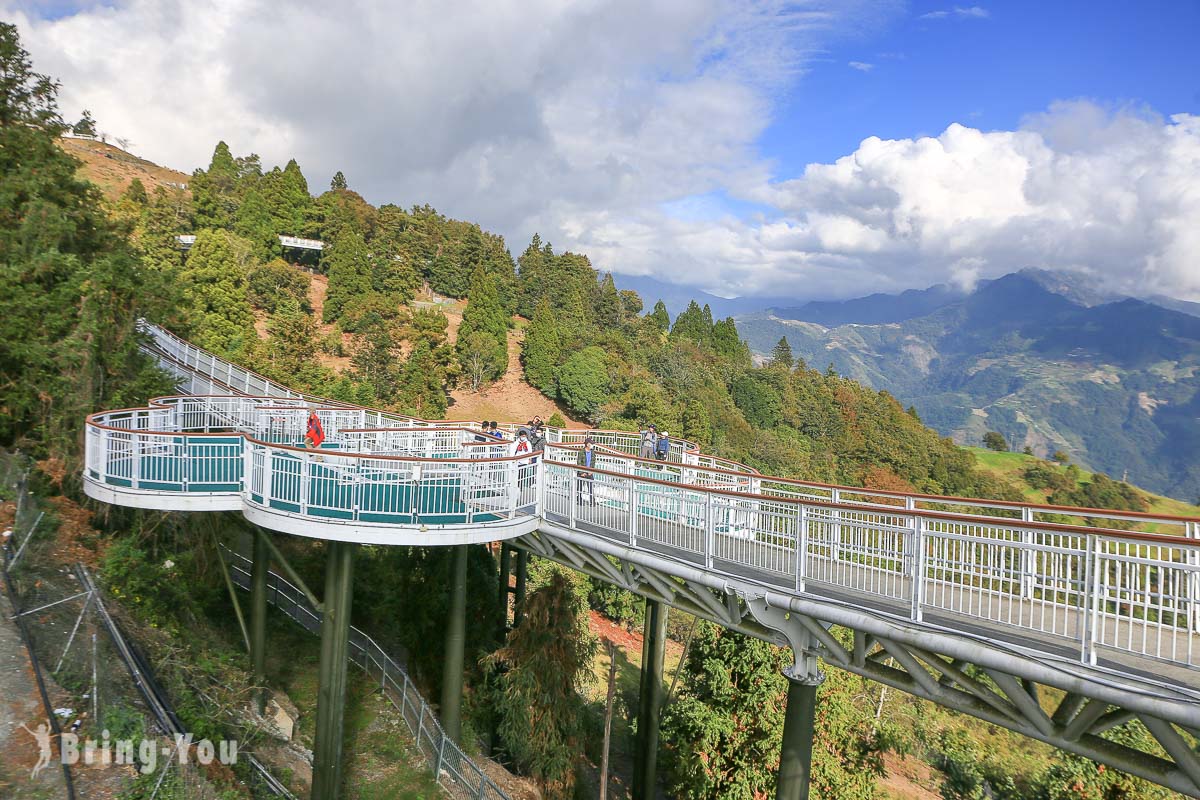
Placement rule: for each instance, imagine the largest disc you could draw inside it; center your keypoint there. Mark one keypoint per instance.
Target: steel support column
(331, 686)
(795, 756)
(650, 695)
(259, 570)
(452, 666)
(505, 574)
(519, 600)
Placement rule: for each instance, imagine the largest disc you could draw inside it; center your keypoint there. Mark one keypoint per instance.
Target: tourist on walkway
(649, 437)
(662, 448)
(587, 480)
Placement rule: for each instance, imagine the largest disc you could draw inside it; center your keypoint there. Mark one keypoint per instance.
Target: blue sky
(988, 71)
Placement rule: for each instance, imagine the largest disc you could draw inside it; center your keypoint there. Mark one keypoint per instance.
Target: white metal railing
(1006, 564)
(1124, 591)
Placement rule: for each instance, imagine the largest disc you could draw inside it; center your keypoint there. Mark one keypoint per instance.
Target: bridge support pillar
(505, 574)
(650, 696)
(456, 634)
(331, 684)
(259, 571)
(795, 757)
(519, 599)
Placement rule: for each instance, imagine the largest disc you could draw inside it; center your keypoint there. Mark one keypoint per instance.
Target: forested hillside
(1049, 362)
(77, 271)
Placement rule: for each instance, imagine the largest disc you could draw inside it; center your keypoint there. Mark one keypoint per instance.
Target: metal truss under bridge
(1059, 623)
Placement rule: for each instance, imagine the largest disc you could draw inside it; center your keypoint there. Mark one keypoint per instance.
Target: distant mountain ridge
(1046, 359)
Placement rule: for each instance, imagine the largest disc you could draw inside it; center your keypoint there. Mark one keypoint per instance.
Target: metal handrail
(452, 768)
(1101, 587)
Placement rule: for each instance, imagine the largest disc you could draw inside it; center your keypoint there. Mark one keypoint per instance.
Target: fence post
(1089, 601)
(441, 756)
(633, 513)
(1028, 557)
(918, 568)
(574, 488)
(835, 526)
(709, 532)
(802, 549)
(1192, 532)
(135, 455)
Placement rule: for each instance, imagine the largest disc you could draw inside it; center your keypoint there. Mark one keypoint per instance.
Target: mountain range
(1047, 359)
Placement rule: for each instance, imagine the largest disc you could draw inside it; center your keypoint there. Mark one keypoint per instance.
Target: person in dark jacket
(587, 480)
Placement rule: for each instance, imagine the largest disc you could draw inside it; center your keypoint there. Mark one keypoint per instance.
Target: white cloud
(958, 12)
(616, 128)
(515, 115)
(861, 66)
(1112, 193)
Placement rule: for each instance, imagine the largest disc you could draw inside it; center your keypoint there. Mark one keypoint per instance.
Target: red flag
(316, 434)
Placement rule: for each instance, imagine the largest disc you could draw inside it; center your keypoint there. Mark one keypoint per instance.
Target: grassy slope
(113, 169)
(1010, 466)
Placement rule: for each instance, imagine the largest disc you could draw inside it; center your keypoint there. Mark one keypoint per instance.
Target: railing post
(575, 489)
(540, 504)
(1192, 532)
(135, 454)
(268, 468)
(1089, 601)
(709, 533)
(802, 549)
(306, 480)
(918, 568)
(835, 526)
(633, 512)
(1028, 557)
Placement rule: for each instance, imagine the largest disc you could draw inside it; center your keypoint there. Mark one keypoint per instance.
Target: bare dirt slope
(509, 399)
(113, 169)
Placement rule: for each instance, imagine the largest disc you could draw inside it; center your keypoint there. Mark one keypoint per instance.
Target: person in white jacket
(521, 445)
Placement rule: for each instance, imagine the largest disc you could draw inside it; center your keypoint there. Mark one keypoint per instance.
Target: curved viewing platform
(1078, 579)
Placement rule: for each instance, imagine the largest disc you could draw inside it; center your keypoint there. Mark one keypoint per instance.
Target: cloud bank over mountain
(629, 131)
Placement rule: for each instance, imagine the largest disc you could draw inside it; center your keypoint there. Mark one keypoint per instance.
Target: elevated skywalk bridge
(1056, 622)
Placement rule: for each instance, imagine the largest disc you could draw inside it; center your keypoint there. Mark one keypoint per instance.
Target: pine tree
(135, 193)
(724, 728)
(349, 267)
(542, 669)
(483, 356)
(338, 182)
(608, 304)
(575, 324)
(531, 276)
(376, 361)
(72, 289)
(725, 341)
(542, 349)
(781, 356)
(215, 190)
(252, 221)
(694, 324)
(86, 125)
(214, 281)
(660, 316)
(423, 383)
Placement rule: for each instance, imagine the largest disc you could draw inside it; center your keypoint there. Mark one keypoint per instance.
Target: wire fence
(453, 769)
(98, 687)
